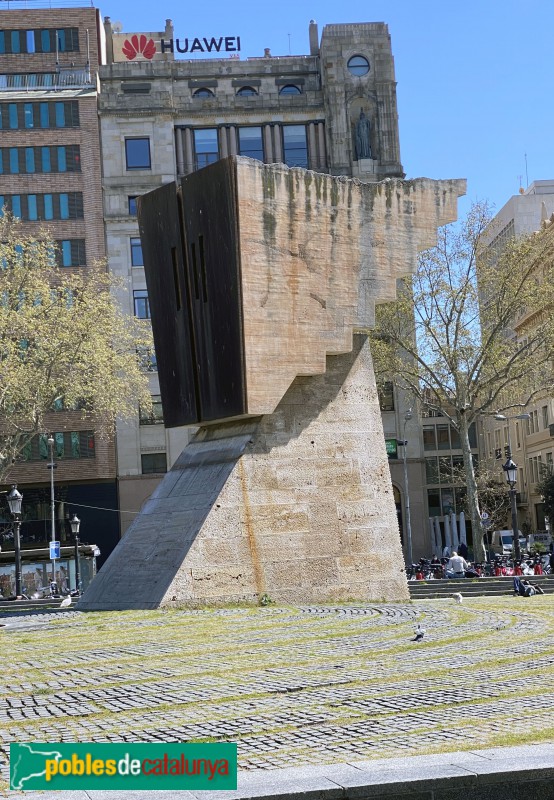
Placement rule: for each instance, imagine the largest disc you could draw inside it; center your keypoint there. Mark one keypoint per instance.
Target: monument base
(296, 505)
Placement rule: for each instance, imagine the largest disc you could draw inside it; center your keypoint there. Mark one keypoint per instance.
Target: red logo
(139, 46)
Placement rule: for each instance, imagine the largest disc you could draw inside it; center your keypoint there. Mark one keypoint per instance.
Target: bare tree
(471, 332)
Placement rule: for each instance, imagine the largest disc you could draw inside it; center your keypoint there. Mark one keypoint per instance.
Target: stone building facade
(51, 175)
(164, 114)
(532, 440)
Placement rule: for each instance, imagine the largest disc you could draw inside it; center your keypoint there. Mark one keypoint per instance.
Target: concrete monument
(263, 283)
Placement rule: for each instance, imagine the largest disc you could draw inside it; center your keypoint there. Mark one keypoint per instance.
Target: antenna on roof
(117, 26)
(526, 172)
(289, 42)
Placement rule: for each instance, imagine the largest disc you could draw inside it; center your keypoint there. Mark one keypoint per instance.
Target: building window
(246, 91)
(142, 306)
(30, 160)
(59, 114)
(545, 417)
(203, 93)
(205, 146)
(67, 445)
(431, 470)
(136, 252)
(66, 205)
(132, 201)
(295, 146)
(429, 438)
(147, 360)
(155, 416)
(386, 396)
(71, 253)
(290, 88)
(358, 66)
(40, 41)
(137, 153)
(443, 440)
(251, 143)
(153, 463)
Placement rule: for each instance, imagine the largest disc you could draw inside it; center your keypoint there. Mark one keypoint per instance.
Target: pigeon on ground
(419, 634)
(457, 597)
(66, 602)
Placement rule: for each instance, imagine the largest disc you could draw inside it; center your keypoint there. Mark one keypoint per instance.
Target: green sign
(121, 766)
(392, 449)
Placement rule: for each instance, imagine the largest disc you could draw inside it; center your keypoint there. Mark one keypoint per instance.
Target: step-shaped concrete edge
(480, 773)
(491, 774)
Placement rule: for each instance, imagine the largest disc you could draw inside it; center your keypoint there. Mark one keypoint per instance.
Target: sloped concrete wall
(297, 505)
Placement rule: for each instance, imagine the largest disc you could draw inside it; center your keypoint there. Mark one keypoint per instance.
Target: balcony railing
(64, 78)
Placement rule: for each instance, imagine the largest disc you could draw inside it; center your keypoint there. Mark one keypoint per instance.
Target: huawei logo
(139, 45)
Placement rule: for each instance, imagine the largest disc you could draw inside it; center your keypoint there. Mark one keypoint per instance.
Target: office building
(50, 175)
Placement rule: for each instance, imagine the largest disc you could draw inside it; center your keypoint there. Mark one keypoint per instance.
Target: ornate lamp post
(52, 466)
(15, 499)
(75, 523)
(510, 468)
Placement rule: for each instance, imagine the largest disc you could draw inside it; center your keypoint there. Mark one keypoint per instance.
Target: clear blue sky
(474, 78)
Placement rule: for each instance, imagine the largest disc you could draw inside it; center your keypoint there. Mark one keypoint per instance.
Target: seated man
(456, 567)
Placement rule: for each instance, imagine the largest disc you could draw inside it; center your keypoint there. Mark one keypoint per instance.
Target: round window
(358, 65)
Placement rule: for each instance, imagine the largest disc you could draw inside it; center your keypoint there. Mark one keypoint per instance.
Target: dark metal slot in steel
(194, 270)
(176, 280)
(203, 269)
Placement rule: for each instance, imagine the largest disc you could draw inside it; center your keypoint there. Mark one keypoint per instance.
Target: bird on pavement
(419, 633)
(66, 602)
(457, 597)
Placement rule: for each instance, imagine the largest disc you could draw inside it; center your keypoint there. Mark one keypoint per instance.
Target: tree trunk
(472, 497)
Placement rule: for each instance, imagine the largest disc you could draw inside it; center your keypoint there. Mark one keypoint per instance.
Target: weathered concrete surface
(297, 504)
(317, 253)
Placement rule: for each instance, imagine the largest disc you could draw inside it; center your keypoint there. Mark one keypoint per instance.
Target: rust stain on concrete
(252, 544)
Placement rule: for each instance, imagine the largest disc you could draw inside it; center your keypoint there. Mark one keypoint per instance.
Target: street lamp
(52, 467)
(404, 443)
(510, 470)
(15, 499)
(75, 522)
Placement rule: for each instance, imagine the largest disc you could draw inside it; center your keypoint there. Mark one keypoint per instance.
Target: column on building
(180, 151)
(312, 147)
(189, 156)
(223, 145)
(278, 150)
(268, 145)
(232, 140)
(321, 146)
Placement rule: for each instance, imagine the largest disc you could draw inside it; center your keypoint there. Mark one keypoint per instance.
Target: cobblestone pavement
(292, 686)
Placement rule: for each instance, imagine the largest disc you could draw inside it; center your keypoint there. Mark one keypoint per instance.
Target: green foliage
(265, 600)
(64, 343)
(546, 489)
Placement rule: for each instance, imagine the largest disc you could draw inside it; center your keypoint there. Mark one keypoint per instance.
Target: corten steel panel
(166, 279)
(213, 260)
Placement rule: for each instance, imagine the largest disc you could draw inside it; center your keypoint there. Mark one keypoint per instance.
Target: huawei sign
(138, 46)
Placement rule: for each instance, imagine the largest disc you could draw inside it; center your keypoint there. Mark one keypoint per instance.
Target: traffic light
(507, 451)
(498, 453)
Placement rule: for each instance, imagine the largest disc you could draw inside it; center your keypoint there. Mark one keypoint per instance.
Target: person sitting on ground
(533, 587)
(457, 565)
(525, 589)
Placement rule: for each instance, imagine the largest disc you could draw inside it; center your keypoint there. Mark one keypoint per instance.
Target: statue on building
(363, 128)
